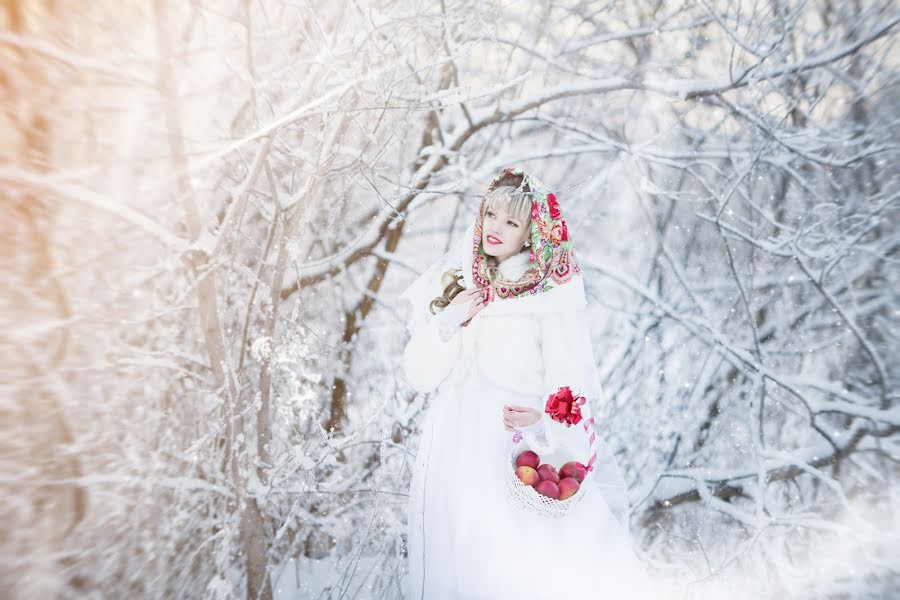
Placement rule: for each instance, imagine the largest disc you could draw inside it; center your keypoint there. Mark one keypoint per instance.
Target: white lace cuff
(450, 319)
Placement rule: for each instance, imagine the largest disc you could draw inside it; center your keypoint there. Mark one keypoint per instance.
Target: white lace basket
(525, 497)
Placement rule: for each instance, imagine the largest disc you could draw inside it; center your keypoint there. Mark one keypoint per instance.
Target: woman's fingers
(475, 307)
(465, 296)
(516, 416)
(511, 423)
(473, 297)
(508, 422)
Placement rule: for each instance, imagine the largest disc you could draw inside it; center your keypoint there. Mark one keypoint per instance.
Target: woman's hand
(519, 416)
(474, 297)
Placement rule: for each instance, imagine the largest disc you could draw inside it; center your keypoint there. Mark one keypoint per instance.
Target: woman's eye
(513, 223)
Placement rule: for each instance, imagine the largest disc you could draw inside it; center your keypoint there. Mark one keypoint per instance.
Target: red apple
(548, 488)
(567, 488)
(548, 473)
(528, 458)
(527, 475)
(575, 470)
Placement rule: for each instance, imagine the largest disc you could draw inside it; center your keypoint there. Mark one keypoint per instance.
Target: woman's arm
(568, 360)
(428, 358)
(435, 343)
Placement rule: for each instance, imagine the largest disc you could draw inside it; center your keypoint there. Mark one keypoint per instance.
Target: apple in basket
(528, 458)
(573, 469)
(548, 473)
(567, 488)
(548, 488)
(527, 475)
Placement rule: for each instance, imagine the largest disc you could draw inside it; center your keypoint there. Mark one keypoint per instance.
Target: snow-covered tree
(209, 208)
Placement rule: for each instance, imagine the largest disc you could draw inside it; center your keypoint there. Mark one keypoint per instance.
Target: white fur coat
(530, 353)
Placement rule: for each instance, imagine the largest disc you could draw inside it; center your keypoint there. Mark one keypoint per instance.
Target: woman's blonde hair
(507, 198)
(450, 281)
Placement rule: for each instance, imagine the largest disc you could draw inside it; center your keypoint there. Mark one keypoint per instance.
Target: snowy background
(210, 206)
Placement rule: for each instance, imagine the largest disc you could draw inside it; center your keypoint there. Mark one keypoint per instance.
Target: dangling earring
(527, 244)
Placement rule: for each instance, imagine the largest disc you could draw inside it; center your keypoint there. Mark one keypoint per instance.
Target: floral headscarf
(552, 259)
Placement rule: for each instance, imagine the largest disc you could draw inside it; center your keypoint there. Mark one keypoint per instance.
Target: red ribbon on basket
(565, 407)
(593, 459)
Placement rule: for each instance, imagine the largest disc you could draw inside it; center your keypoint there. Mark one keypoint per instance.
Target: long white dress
(465, 539)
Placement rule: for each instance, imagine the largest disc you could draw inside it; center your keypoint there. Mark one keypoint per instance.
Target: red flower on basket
(565, 407)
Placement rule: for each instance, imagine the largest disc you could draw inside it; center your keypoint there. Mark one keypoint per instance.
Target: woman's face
(503, 235)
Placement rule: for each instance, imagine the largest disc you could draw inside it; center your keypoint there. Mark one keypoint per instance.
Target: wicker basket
(525, 497)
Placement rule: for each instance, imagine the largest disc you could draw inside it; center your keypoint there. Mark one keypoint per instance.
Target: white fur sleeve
(540, 435)
(450, 319)
(568, 360)
(428, 358)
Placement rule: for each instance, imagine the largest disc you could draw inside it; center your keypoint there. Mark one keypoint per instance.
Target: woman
(497, 325)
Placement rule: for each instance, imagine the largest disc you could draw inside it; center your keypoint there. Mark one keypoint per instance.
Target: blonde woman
(497, 325)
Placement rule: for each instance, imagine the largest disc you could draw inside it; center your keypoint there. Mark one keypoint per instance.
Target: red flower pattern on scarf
(553, 206)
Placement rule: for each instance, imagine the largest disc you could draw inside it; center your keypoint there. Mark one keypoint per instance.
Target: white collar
(561, 298)
(513, 267)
